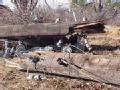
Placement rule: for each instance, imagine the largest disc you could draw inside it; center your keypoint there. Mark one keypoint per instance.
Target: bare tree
(100, 5)
(25, 8)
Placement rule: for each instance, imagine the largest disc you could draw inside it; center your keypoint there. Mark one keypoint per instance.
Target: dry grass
(110, 37)
(112, 30)
(16, 80)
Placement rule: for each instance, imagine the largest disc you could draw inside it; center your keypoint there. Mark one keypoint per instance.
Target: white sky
(56, 3)
(53, 3)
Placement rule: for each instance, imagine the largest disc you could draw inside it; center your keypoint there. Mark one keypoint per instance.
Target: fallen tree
(48, 29)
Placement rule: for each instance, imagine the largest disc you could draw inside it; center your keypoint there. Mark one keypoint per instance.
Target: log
(39, 29)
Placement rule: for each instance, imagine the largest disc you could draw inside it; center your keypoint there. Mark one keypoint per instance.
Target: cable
(78, 49)
(100, 79)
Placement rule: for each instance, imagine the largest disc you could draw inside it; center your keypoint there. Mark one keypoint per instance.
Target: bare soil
(12, 79)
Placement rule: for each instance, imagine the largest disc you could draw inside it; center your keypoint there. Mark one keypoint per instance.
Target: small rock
(43, 77)
(87, 83)
(37, 77)
(30, 77)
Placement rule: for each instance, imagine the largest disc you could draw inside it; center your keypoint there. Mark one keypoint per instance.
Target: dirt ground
(12, 79)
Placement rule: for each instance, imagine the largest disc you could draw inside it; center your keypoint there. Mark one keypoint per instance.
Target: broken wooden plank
(86, 25)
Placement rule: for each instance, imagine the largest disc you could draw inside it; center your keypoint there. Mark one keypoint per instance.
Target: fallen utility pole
(101, 68)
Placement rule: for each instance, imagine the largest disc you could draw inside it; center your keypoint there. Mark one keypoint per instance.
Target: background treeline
(106, 11)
